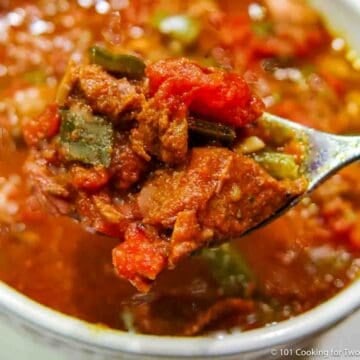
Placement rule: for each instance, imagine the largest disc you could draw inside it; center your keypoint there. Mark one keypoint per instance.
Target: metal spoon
(327, 153)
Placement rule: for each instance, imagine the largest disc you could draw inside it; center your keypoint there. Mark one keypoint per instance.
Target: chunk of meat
(50, 192)
(197, 317)
(218, 195)
(41, 176)
(106, 94)
(98, 212)
(170, 192)
(219, 310)
(126, 165)
(160, 136)
(187, 236)
(182, 85)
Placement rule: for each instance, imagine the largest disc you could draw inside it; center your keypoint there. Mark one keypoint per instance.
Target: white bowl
(77, 339)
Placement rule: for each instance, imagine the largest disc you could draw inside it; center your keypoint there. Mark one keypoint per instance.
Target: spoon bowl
(325, 155)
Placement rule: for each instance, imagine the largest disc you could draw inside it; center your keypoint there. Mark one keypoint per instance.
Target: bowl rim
(54, 324)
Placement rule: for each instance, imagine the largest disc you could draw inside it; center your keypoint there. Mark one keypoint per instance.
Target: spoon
(326, 154)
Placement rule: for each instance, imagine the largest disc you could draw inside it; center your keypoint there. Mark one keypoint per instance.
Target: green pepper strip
(280, 166)
(229, 269)
(86, 138)
(122, 64)
(212, 130)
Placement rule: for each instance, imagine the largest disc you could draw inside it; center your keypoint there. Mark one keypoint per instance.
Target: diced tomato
(141, 257)
(91, 179)
(284, 39)
(181, 85)
(43, 127)
(235, 29)
(294, 42)
(292, 109)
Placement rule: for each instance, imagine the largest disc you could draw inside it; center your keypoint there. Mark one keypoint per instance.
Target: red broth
(290, 266)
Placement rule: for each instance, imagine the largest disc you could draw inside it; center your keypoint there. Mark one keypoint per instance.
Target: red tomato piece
(181, 85)
(43, 127)
(141, 257)
(91, 179)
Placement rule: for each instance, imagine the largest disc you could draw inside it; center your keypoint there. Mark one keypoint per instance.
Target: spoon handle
(328, 154)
